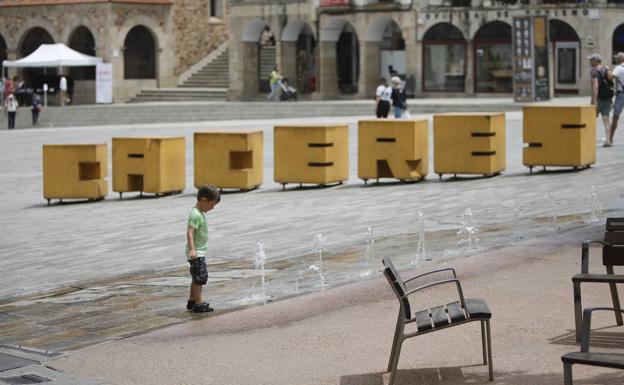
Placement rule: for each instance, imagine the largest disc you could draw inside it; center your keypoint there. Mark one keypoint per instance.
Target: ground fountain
(553, 212)
(262, 292)
(320, 246)
(420, 255)
(518, 213)
(595, 205)
(468, 234)
(369, 253)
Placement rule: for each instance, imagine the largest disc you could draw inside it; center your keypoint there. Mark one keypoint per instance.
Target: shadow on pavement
(599, 339)
(455, 376)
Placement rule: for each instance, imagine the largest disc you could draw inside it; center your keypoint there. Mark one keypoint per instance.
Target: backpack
(605, 86)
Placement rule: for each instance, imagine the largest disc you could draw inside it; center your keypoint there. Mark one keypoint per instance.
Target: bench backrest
(614, 234)
(394, 279)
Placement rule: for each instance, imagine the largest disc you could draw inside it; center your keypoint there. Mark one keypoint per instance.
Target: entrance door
(566, 66)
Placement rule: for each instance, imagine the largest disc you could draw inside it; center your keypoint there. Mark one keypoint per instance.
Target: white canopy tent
(53, 55)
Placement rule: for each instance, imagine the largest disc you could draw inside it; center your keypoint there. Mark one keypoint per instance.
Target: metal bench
(436, 318)
(612, 255)
(584, 357)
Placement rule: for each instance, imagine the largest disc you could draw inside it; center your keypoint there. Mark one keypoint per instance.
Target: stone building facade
(442, 48)
(149, 42)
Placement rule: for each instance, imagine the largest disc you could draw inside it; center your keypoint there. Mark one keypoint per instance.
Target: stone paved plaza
(81, 273)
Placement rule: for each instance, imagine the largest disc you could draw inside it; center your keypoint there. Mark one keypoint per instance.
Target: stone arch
(444, 59)
(566, 47)
(331, 32)
(82, 40)
(299, 48)
(140, 54)
(377, 29)
(348, 59)
(443, 31)
(33, 39)
(493, 64)
(294, 29)
(254, 30)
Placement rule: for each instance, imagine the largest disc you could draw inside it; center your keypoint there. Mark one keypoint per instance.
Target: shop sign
(530, 58)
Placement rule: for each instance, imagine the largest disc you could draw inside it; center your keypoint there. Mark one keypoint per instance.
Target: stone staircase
(267, 63)
(210, 83)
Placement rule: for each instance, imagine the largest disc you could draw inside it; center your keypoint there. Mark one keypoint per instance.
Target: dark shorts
(199, 272)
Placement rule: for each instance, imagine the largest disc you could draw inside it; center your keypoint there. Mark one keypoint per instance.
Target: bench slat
(456, 312)
(423, 320)
(606, 360)
(438, 315)
(477, 308)
(604, 278)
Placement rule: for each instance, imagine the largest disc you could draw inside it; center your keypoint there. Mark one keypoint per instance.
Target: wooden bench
(612, 255)
(584, 357)
(435, 318)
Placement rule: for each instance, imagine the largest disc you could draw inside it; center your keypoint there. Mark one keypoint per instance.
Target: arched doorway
(81, 40)
(493, 59)
(392, 52)
(565, 45)
(266, 58)
(139, 54)
(618, 40)
(3, 50)
(348, 60)
(444, 59)
(306, 61)
(35, 78)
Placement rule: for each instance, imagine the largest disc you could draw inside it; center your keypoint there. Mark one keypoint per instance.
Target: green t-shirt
(197, 220)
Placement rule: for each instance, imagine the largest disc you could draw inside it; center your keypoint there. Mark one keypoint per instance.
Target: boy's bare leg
(196, 292)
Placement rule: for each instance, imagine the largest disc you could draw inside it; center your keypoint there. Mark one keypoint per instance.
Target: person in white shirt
(383, 98)
(11, 107)
(63, 88)
(618, 105)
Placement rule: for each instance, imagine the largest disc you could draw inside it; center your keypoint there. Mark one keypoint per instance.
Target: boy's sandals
(202, 308)
(190, 304)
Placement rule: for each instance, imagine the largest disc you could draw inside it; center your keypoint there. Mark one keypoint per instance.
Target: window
(216, 8)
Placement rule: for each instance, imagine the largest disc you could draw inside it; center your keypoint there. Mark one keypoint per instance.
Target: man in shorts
(599, 73)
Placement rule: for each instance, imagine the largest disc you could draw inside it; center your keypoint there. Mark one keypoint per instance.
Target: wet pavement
(74, 275)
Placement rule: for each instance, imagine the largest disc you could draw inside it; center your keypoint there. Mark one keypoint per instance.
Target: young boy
(197, 246)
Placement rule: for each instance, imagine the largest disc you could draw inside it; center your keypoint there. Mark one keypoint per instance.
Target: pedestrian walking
(197, 247)
(399, 99)
(618, 104)
(11, 107)
(383, 98)
(63, 88)
(274, 81)
(35, 109)
(602, 92)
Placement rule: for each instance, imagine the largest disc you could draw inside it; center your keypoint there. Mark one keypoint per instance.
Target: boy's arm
(189, 238)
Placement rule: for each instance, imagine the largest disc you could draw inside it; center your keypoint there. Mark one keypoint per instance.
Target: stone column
(289, 61)
(469, 87)
(413, 64)
(250, 84)
(369, 69)
(328, 83)
(11, 55)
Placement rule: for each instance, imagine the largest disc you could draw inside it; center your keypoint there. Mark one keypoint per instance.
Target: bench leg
(399, 327)
(489, 344)
(615, 298)
(578, 310)
(567, 374)
(483, 343)
(396, 354)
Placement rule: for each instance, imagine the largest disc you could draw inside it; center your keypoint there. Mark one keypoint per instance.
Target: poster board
(104, 83)
(530, 58)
